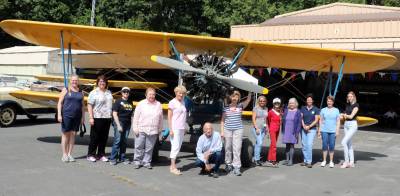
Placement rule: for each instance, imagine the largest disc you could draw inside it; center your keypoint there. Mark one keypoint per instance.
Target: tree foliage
(205, 17)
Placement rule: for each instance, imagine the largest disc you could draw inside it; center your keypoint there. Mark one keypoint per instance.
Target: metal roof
(320, 19)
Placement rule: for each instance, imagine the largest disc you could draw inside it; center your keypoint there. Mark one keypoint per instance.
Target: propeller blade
(244, 85)
(174, 64)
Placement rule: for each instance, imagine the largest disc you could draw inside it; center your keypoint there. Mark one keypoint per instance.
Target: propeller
(241, 84)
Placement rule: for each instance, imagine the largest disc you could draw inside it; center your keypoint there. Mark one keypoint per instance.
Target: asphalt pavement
(30, 164)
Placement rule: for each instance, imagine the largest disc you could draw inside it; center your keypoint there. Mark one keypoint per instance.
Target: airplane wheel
(247, 152)
(156, 150)
(8, 115)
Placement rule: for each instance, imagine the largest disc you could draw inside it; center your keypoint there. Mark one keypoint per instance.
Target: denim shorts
(328, 141)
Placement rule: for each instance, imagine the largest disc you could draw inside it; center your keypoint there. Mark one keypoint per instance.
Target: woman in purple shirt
(291, 127)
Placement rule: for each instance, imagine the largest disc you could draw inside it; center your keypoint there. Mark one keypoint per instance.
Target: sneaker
(136, 166)
(104, 159)
(323, 163)
(113, 162)
(215, 175)
(228, 168)
(203, 172)
(345, 165)
(289, 163)
(303, 164)
(64, 159)
(148, 166)
(237, 172)
(91, 159)
(71, 159)
(309, 165)
(352, 165)
(272, 164)
(331, 164)
(258, 163)
(126, 162)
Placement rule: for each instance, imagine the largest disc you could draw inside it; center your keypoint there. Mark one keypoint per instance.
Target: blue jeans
(119, 144)
(350, 128)
(259, 141)
(307, 140)
(215, 158)
(328, 141)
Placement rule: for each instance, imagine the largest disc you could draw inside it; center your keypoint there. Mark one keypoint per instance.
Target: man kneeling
(208, 150)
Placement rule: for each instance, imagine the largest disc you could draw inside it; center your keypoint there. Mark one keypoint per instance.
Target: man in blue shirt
(310, 116)
(208, 151)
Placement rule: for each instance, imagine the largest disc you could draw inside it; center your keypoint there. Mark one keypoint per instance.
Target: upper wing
(133, 48)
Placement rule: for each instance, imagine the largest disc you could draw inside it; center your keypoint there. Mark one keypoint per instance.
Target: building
(342, 26)
(25, 62)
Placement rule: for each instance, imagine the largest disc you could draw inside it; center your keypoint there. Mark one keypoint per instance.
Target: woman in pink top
(146, 124)
(176, 125)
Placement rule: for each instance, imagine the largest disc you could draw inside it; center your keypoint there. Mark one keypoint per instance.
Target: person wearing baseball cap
(274, 123)
(122, 116)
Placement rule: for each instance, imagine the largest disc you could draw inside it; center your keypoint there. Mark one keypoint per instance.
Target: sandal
(175, 172)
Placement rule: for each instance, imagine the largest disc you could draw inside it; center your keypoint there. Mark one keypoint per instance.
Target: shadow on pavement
(30, 122)
(317, 155)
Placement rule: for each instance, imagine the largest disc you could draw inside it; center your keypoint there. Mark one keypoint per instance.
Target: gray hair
(294, 100)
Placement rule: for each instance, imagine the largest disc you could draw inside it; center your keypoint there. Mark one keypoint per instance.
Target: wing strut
(330, 81)
(340, 75)
(236, 58)
(70, 70)
(177, 57)
(62, 59)
(326, 87)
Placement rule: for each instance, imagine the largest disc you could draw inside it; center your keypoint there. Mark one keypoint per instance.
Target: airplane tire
(247, 153)
(8, 115)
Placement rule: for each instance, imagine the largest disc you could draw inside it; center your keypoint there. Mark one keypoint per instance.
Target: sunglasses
(125, 91)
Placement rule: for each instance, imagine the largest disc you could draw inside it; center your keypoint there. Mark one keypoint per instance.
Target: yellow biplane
(208, 73)
(206, 64)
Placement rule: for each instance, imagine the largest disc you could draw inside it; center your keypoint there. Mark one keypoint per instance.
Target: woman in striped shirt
(232, 131)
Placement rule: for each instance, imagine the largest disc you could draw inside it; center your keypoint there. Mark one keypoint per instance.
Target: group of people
(307, 122)
(290, 121)
(145, 121)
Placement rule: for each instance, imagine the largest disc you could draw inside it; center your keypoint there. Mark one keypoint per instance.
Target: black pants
(98, 136)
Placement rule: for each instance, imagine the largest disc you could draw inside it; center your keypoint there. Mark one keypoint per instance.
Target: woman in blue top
(232, 131)
(329, 129)
(70, 114)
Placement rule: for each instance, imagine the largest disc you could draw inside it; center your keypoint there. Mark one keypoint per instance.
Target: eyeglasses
(262, 101)
(125, 91)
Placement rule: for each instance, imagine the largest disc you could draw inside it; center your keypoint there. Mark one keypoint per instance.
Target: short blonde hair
(294, 100)
(150, 89)
(181, 89)
(259, 98)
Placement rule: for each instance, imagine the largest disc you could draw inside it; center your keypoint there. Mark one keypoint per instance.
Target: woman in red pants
(274, 122)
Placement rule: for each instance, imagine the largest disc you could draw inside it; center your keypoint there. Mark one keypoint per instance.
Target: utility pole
(92, 15)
